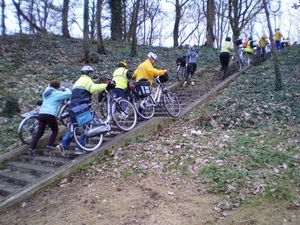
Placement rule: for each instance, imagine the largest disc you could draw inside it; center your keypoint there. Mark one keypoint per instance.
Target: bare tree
(65, 13)
(116, 19)
(178, 16)
(93, 15)
(278, 79)
(210, 15)
(241, 13)
(100, 44)
(3, 18)
(86, 40)
(133, 51)
(32, 24)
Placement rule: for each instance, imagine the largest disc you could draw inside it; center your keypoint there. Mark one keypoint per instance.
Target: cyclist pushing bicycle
(147, 70)
(83, 89)
(191, 55)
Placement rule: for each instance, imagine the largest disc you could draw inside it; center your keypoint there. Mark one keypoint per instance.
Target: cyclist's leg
(39, 133)
(52, 122)
(186, 78)
(67, 139)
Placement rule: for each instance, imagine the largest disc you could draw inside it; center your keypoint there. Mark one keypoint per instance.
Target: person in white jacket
(47, 114)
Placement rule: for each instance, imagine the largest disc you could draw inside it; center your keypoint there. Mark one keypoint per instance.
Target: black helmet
(123, 64)
(250, 38)
(228, 39)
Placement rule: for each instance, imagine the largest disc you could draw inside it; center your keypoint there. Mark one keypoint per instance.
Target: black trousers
(224, 58)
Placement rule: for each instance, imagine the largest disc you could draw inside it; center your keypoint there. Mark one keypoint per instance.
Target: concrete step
(32, 169)
(16, 178)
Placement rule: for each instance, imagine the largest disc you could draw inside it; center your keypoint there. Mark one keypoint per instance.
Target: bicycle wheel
(180, 73)
(103, 107)
(124, 114)
(145, 107)
(87, 143)
(63, 115)
(246, 58)
(171, 104)
(28, 128)
(236, 62)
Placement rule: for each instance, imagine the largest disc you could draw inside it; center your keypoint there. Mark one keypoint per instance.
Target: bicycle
(89, 136)
(239, 58)
(181, 69)
(145, 105)
(30, 120)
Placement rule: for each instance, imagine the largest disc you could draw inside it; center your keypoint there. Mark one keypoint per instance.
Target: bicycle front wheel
(145, 107)
(63, 115)
(180, 73)
(236, 62)
(28, 128)
(124, 114)
(87, 143)
(171, 104)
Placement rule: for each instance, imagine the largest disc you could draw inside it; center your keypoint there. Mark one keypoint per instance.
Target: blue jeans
(278, 46)
(67, 139)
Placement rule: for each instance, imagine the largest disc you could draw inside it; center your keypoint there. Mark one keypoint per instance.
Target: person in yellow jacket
(83, 89)
(147, 70)
(250, 46)
(262, 45)
(277, 38)
(121, 76)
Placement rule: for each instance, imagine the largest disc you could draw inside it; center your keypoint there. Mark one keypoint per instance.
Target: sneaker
(192, 83)
(61, 149)
(123, 115)
(79, 151)
(32, 152)
(185, 84)
(50, 147)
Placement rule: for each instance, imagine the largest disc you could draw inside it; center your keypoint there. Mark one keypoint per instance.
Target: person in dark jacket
(83, 89)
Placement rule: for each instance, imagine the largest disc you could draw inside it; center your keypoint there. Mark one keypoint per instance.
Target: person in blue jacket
(52, 97)
(192, 55)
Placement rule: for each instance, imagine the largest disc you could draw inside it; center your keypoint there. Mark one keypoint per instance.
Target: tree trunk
(3, 18)
(278, 79)
(176, 23)
(100, 44)
(116, 19)
(86, 40)
(210, 22)
(65, 13)
(133, 51)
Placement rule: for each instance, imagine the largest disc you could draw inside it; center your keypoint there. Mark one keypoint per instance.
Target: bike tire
(124, 114)
(171, 103)
(103, 107)
(180, 74)
(28, 128)
(87, 143)
(63, 115)
(145, 107)
(246, 58)
(236, 63)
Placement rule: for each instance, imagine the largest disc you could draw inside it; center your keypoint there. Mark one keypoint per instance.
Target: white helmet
(153, 56)
(86, 70)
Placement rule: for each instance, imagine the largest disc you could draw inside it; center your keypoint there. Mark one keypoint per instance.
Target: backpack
(245, 44)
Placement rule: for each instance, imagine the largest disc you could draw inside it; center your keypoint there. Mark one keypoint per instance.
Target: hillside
(28, 63)
(242, 168)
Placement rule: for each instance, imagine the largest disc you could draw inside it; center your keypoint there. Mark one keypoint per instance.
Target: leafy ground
(242, 167)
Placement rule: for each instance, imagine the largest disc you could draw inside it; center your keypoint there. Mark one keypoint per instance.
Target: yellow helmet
(123, 64)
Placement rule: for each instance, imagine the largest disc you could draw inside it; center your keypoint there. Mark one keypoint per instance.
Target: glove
(111, 84)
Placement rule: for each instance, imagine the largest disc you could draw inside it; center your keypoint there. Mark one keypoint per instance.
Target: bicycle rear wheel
(180, 73)
(103, 107)
(236, 62)
(87, 143)
(145, 107)
(28, 128)
(171, 104)
(124, 114)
